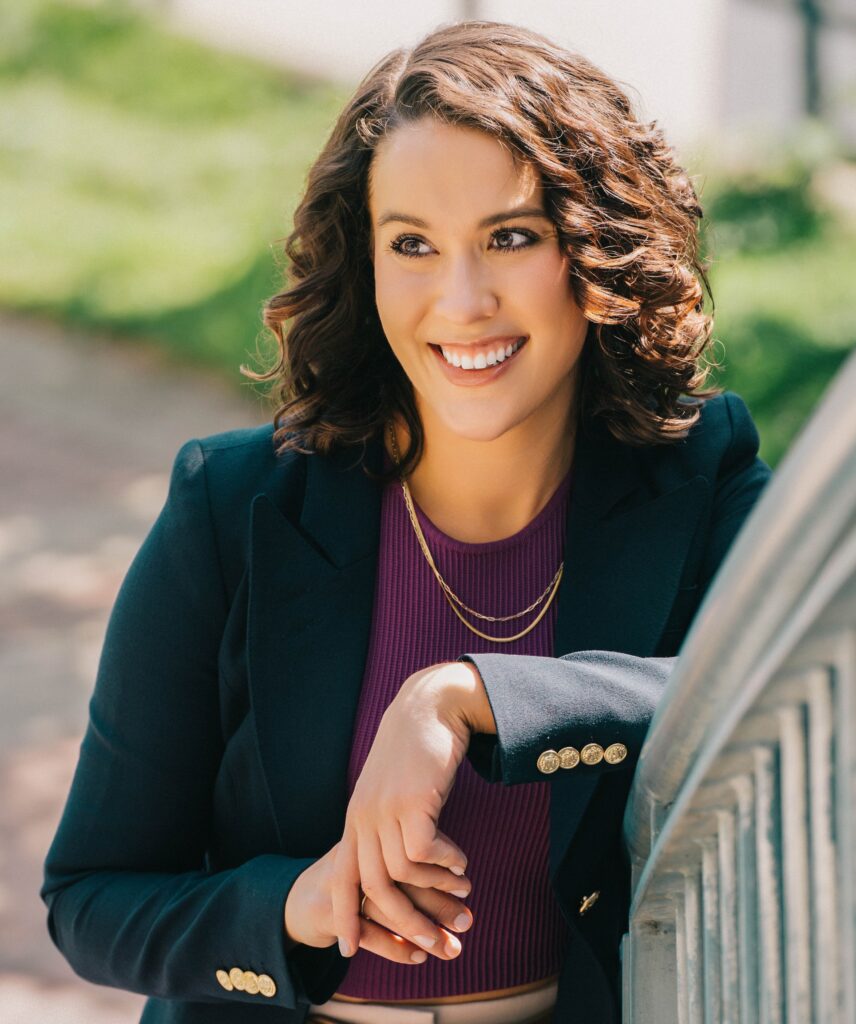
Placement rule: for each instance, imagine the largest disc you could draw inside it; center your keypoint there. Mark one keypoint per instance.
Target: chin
(479, 427)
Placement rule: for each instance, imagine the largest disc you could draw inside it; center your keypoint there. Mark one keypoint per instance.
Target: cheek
(548, 307)
(396, 296)
(552, 297)
(541, 283)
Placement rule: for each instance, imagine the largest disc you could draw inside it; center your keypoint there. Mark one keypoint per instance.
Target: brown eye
(406, 245)
(504, 237)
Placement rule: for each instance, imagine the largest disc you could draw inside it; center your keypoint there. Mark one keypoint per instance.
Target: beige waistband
(469, 997)
(533, 1006)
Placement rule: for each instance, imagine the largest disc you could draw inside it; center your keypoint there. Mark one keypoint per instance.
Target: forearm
(595, 699)
(167, 935)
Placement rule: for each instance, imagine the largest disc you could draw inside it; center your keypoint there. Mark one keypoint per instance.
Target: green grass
(148, 180)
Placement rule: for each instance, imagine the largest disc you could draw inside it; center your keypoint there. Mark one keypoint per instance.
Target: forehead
(442, 172)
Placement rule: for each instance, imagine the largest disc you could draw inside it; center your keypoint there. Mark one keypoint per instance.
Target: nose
(466, 292)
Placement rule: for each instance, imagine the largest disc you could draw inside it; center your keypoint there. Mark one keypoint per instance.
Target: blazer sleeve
(607, 697)
(130, 901)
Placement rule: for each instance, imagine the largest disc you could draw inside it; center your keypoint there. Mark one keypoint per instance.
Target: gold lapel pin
(589, 901)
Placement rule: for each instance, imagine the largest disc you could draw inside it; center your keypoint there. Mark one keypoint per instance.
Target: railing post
(741, 823)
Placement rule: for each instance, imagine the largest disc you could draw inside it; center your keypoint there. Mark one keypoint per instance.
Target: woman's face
(467, 268)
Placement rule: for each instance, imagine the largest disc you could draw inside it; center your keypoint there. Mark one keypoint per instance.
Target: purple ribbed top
(518, 933)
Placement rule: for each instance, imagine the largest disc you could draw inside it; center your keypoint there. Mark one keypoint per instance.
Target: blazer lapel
(308, 624)
(625, 549)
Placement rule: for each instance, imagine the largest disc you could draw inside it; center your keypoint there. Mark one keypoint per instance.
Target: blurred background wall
(712, 67)
(151, 154)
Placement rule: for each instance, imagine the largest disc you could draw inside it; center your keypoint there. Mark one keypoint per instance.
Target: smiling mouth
(483, 361)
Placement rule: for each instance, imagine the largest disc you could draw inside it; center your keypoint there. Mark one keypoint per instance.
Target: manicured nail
(344, 947)
(462, 921)
(460, 893)
(419, 956)
(457, 870)
(423, 940)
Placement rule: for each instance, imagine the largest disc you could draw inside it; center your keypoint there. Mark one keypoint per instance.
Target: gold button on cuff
(236, 976)
(569, 757)
(267, 986)
(225, 980)
(615, 753)
(548, 762)
(592, 753)
(251, 983)
(589, 901)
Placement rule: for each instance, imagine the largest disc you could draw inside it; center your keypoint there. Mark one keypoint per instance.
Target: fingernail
(460, 893)
(423, 940)
(457, 870)
(462, 921)
(344, 947)
(419, 956)
(452, 945)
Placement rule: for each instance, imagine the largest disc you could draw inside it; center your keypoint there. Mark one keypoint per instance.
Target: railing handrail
(787, 539)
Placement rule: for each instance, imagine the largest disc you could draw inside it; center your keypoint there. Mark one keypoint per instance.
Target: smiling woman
(518, 169)
(402, 645)
(488, 256)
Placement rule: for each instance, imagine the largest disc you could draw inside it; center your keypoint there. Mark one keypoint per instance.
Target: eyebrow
(486, 222)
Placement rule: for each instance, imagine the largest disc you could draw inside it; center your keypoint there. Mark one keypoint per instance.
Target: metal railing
(741, 825)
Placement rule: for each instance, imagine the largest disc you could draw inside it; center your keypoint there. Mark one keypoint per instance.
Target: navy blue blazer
(213, 768)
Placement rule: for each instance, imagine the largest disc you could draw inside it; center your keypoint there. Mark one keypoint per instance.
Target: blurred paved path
(88, 432)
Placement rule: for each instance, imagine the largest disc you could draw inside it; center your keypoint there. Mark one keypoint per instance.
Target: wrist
(458, 694)
(291, 915)
(476, 706)
(305, 912)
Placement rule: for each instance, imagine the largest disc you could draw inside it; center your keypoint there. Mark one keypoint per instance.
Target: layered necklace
(455, 603)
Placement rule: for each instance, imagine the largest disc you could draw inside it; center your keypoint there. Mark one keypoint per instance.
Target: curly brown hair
(626, 214)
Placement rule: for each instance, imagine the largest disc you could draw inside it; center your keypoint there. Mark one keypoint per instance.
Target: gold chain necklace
(451, 597)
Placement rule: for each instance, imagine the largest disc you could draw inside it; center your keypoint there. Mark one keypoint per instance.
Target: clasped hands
(412, 875)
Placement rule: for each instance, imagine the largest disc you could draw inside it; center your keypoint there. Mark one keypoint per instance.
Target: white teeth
(483, 359)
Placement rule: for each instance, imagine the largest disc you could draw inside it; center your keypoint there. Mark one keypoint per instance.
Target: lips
(458, 375)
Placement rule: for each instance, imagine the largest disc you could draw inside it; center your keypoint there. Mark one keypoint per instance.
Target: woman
(495, 496)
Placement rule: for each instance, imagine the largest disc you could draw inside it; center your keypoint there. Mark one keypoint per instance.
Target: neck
(480, 491)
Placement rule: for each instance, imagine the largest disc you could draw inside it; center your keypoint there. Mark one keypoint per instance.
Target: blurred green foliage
(762, 213)
(148, 181)
(782, 270)
(92, 50)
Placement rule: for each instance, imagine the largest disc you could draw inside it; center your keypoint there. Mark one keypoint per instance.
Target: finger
(425, 843)
(447, 948)
(402, 869)
(393, 909)
(446, 910)
(345, 894)
(382, 942)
